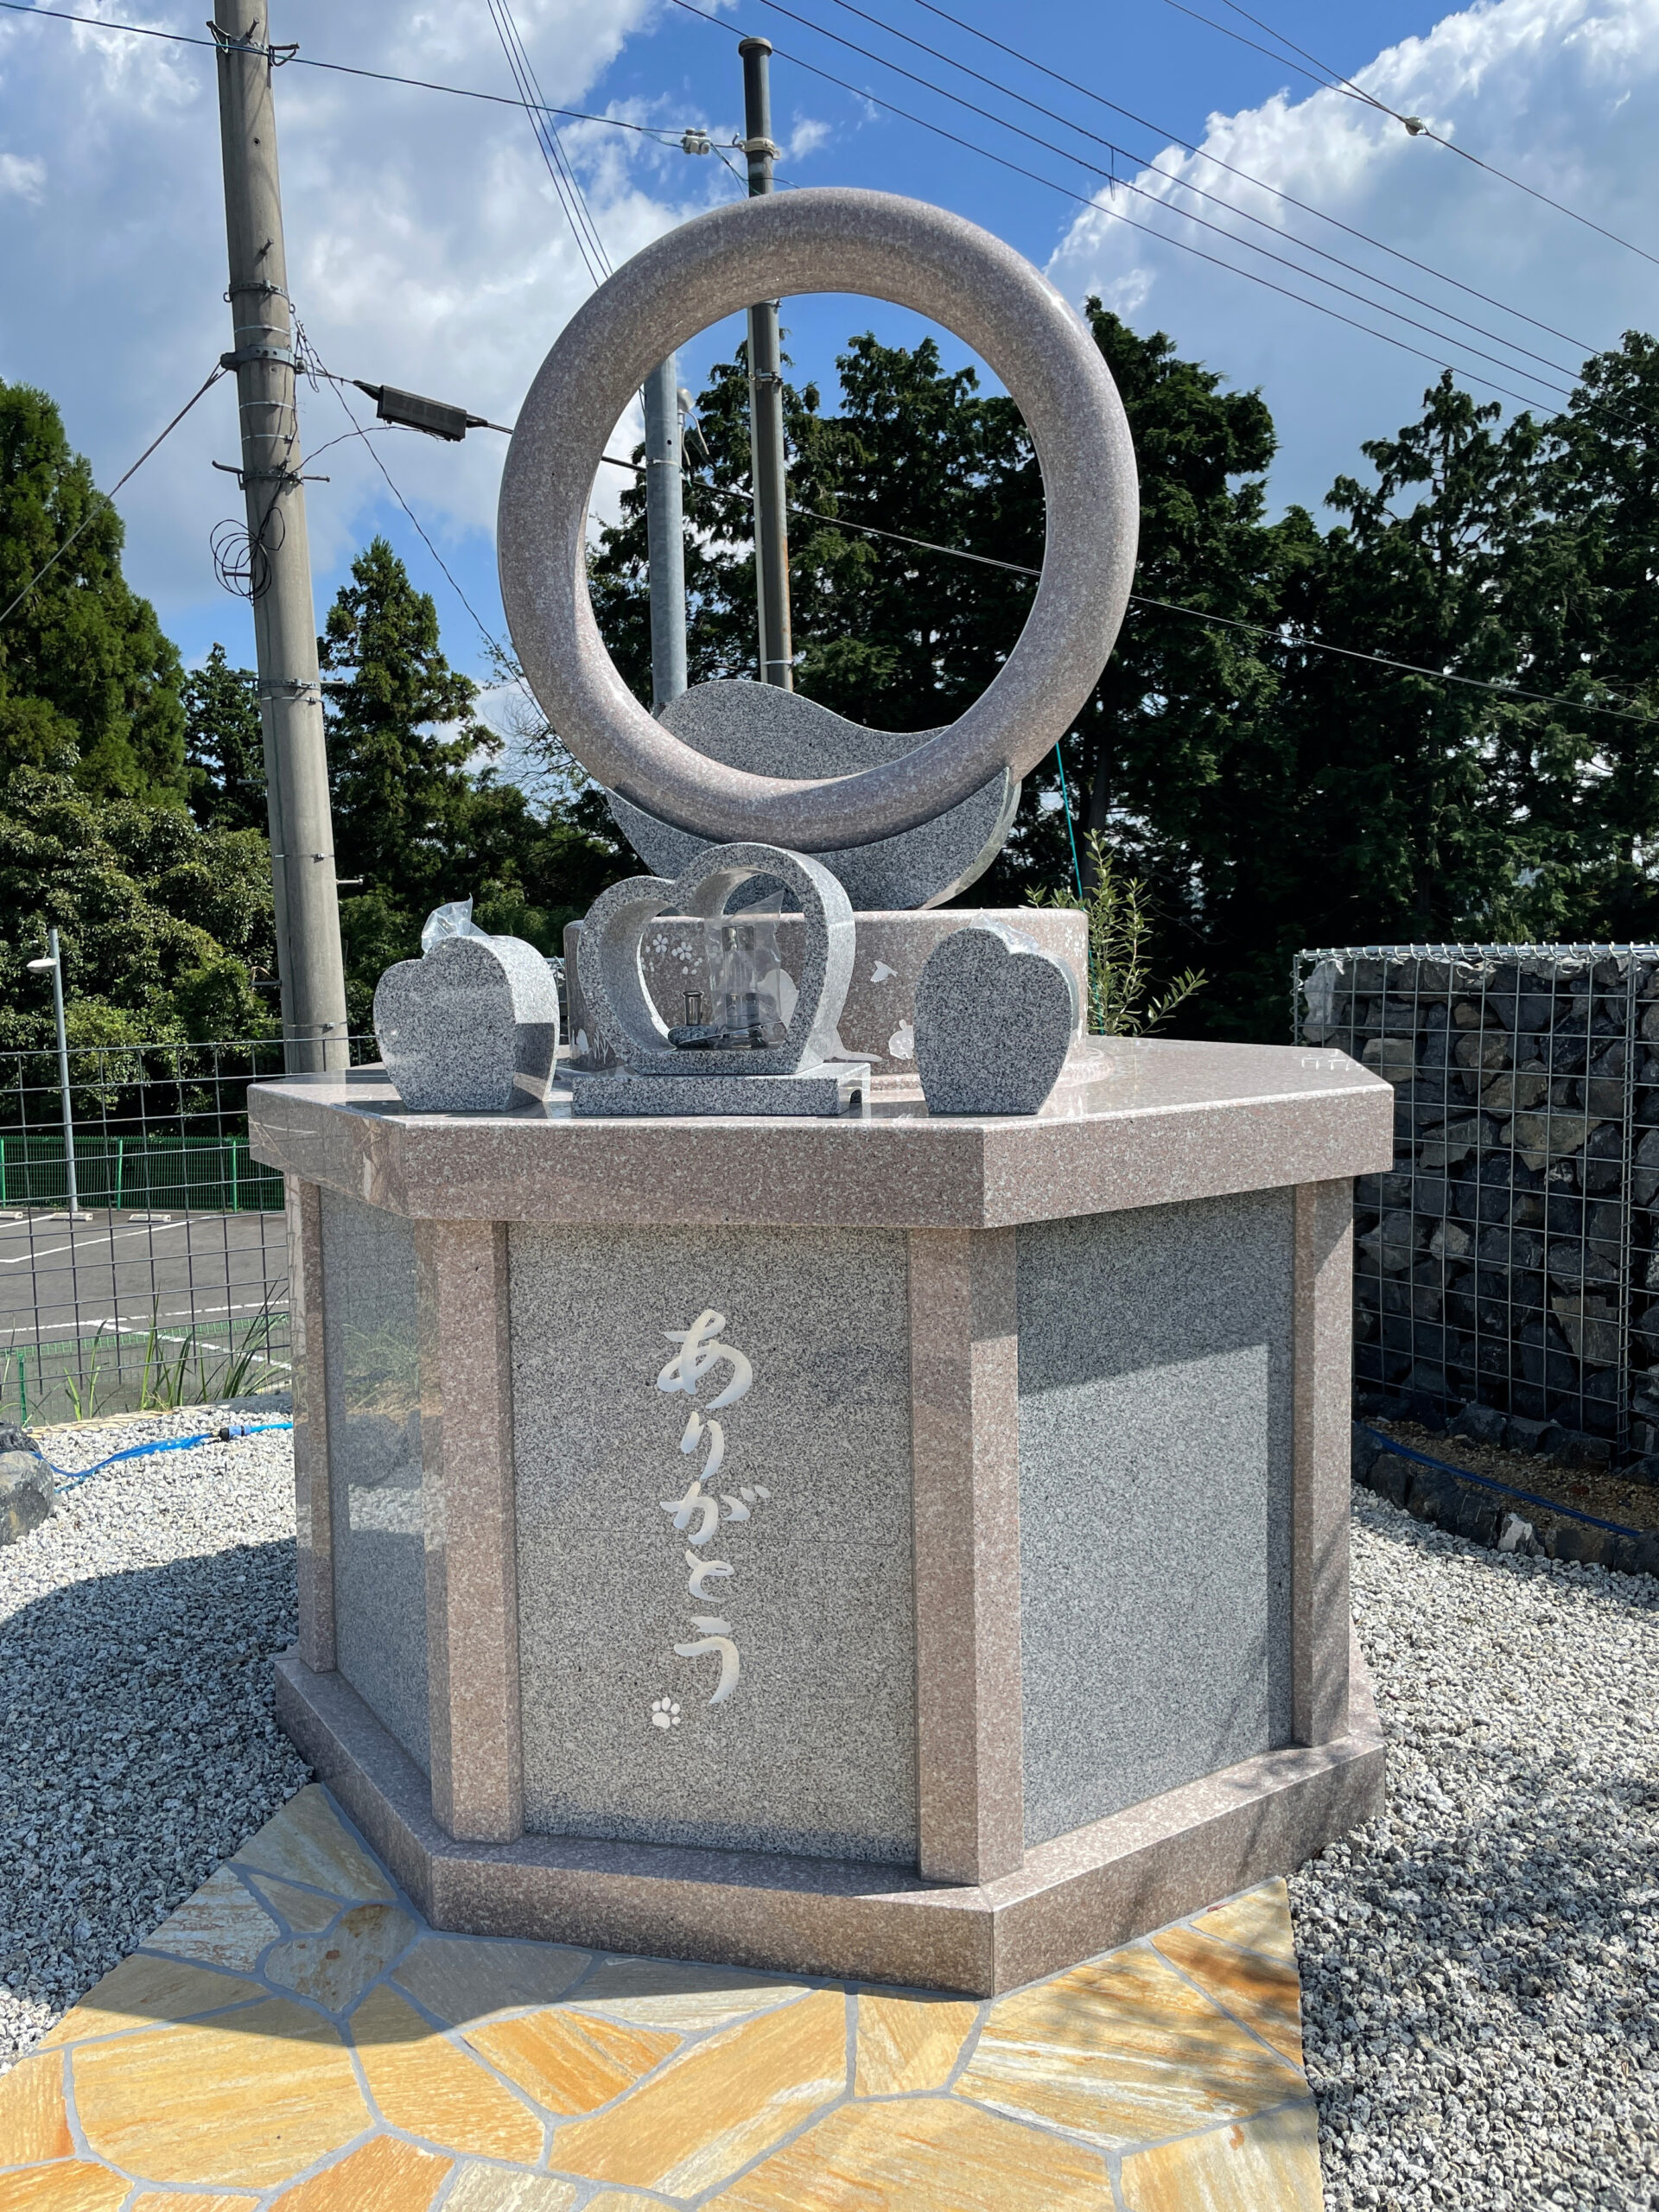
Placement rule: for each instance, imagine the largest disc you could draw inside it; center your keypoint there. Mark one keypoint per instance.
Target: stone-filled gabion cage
(1510, 1260)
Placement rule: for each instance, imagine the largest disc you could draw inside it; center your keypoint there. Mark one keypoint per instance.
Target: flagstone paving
(295, 2038)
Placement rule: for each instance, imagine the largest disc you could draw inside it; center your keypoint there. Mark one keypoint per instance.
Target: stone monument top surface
(1149, 1123)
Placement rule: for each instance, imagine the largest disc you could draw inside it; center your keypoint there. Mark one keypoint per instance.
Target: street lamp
(54, 961)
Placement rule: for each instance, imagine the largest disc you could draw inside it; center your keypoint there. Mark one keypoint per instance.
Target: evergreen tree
(89, 686)
(224, 745)
(166, 928)
(416, 816)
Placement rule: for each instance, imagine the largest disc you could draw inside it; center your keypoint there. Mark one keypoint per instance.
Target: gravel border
(137, 1748)
(1480, 1967)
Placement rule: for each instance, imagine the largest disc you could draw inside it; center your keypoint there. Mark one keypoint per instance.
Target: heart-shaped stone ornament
(995, 1015)
(471, 1027)
(624, 1025)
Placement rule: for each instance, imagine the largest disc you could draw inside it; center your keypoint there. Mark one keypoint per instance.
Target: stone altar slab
(996, 1490)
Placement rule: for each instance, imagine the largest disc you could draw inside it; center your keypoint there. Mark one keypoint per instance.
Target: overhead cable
(1184, 246)
(1144, 163)
(1334, 82)
(1195, 614)
(664, 137)
(1202, 153)
(566, 183)
(100, 500)
(1200, 222)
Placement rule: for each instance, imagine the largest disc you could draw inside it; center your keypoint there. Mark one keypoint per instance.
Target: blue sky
(426, 248)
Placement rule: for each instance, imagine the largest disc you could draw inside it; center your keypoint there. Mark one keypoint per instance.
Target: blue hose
(170, 1444)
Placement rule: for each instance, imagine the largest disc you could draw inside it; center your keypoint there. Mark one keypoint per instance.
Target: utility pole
(665, 533)
(279, 557)
(766, 397)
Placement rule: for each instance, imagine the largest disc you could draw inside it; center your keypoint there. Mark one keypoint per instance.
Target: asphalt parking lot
(120, 1297)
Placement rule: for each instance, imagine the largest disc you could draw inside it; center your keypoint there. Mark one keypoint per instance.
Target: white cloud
(23, 177)
(426, 249)
(806, 136)
(1563, 94)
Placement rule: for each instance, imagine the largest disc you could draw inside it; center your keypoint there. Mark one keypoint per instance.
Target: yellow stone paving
(458, 1978)
(1265, 1995)
(223, 1925)
(907, 2044)
(384, 2176)
(255, 2098)
(306, 1843)
(141, 1991)
(33, 2119)
(568, 2062)
(508, 2076)
(304, 1911)
(1259, 1921)
(701, 2118)
(73, 2187)
(426, 2084)
(1272, 2161)
(1121, 2050)
(334, 1970)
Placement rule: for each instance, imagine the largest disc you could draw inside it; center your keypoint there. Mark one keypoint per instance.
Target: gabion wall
(1509, 1258)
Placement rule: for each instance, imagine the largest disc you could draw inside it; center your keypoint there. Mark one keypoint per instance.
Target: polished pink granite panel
(965, 1368)
(1163, 1122)
(472, 1575)
(1322, 1399)
(313, 1505)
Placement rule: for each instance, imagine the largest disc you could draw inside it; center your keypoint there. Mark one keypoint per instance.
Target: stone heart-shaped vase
(622, 1023)
(471, 1027)
(995, 1015)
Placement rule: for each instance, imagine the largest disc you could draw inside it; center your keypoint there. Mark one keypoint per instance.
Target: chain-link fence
(1509, 1260)
(143, 1255)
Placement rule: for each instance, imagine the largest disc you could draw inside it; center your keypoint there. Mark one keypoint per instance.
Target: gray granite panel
(1155, 1439)
(814, 1749)
(373, 1361)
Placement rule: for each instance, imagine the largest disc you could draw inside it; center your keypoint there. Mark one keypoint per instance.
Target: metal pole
(766, 471)
(54, 961)
(665, 533)
(284, 623)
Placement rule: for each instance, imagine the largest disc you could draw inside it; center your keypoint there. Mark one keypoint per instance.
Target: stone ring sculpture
(833, 240)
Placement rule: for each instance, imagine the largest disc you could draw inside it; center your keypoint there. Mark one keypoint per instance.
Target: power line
(1201, 153)
(1017, 168)
(1194, 613)
(1201, 222)
(107, 498)
(566, 183)
(1182, 184)
(664, 137)
(1333, 80)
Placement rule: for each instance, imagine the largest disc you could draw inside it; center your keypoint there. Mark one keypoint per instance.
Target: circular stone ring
(835, 240)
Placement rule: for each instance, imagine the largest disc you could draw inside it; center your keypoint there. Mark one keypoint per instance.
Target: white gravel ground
(137, 1745)
(1480, 1968)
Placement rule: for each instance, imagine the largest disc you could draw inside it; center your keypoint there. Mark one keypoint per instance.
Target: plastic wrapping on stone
(453, 920)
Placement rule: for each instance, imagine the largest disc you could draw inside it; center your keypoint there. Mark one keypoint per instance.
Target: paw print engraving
(665, 1712)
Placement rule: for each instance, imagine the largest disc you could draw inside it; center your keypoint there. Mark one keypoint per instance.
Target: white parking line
(46, 1252)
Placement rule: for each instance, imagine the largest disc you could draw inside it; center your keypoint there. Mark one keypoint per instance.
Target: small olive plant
(1119, 977)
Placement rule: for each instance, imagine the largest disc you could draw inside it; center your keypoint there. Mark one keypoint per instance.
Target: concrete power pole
(284, 618)
(665, 533)
(766, 398)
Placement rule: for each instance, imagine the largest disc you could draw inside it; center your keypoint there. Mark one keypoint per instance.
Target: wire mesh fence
(143, 1253)
(1508, 1260)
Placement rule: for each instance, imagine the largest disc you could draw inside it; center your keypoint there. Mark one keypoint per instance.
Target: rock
(1484, 1423)
(28, 1489)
